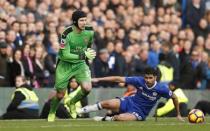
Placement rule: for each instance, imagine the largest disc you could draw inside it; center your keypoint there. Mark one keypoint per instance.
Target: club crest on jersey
(62, 44)
(154, 93)
(141, 88)
(86, 40)
(170, 93)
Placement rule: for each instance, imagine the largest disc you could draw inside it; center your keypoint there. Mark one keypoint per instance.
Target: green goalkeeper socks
(73, 98)
(53, 107)
(77, 95)
(54, 104)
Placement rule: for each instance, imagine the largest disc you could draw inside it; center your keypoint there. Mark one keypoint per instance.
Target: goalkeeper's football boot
(51, 117)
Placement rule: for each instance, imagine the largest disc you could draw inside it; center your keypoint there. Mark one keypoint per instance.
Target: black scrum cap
(77, 15)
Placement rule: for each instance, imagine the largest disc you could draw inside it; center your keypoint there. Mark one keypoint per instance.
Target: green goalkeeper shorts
(66, 70)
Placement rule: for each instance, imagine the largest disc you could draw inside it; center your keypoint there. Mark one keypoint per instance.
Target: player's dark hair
(175, 84)
(77, 15)
(151, 71)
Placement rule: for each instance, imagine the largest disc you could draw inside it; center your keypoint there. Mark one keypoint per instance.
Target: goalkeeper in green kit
(74, 50)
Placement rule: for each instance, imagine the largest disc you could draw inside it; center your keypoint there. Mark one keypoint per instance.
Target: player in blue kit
(138, 106)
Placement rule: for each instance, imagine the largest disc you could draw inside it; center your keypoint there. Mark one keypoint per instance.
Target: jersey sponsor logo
(152, 98)
(62, 44)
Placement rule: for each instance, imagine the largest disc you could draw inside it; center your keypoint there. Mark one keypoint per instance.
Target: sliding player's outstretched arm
(110, 79)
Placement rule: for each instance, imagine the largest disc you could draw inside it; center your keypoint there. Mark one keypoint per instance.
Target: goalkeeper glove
(90, 53)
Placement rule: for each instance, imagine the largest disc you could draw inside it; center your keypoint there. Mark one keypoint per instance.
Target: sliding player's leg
(112, 104)
(120, 117)
(124, 117)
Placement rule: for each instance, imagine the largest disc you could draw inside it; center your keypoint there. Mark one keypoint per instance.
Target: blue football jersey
(145, 98)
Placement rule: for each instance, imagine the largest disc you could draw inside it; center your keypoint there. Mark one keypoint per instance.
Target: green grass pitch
(162, 124)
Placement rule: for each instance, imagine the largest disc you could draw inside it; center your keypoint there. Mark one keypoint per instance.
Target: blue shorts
(127, 106)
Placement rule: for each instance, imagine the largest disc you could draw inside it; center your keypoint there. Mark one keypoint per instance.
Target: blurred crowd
(171, 35)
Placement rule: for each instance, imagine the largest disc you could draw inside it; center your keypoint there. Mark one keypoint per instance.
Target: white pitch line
(90, 119)
(106, 125)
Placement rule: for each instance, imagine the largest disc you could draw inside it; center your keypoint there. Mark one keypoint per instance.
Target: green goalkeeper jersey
(74, 43)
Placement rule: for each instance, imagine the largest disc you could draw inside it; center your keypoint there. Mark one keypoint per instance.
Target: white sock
(99, 106)
(91, 108)
(108, 118)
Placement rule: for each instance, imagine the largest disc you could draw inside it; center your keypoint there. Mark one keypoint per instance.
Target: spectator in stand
(28, 64)
(16, 68)
(50, 64)
(195, 61)
(101, 67)
(23, 31)
(40, 30)
(207, 46)
(10, 38)
(203, 28)
(171, 59)
(186, 68)
(3, 63)
(190, 35)
(199, 43)
(166, 70)
(132, 64)
(153, 56)
(202, 71)
(99, 39)
(2, 36)
(10, 55)
(18, 40)
(195, 11)
(123, 37)
(143, 58)
(39, 68)
(207, 17)
(117, 61)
